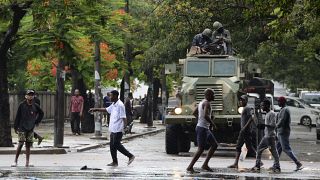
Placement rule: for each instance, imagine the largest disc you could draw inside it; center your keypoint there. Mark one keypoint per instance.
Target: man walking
(204, 135)
(128, 107)
(245, 132)
(28, 115)
(269, 139)
(283, 130)
(76, 109)
(117, 123)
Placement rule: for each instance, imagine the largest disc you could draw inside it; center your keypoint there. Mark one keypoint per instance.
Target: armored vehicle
(223, 74)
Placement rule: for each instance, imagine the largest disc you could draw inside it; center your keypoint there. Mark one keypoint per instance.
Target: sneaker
(40, 140)
(113, 164)
(299, 166)
(131, 160)
(14, 164)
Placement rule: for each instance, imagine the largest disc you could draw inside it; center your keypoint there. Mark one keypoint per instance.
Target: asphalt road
(153, 163)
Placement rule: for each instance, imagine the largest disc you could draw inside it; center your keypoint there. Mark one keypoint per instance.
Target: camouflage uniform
(220, 32)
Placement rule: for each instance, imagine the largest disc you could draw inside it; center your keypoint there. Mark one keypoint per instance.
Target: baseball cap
(282, 99)
(30, 91)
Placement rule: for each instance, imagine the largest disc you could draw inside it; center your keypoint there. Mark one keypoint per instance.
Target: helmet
(207, 32)
(244, 97)
(217, 25)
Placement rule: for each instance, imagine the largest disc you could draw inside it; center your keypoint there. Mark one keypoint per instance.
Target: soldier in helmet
(202, 40)
(222, 36)
(245, 132)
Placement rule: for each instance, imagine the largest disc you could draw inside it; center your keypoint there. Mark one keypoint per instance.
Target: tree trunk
(5, 128)
(59, 107)
(147, 112)
(147, 115)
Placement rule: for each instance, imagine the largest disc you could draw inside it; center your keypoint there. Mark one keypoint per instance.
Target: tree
(19, 11)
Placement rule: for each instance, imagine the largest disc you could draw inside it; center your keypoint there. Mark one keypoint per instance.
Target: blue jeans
(284, 145)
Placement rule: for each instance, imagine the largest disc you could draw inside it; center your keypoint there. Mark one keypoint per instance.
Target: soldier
(204, 135)
(245, 132)
(222, 37)
(200, 41)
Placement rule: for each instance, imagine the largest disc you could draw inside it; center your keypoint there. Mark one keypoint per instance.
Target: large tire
(306, 121)
(184, 142)
(172, 139)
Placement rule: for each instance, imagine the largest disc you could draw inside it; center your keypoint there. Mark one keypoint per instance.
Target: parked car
(301, 112)
(138, 106)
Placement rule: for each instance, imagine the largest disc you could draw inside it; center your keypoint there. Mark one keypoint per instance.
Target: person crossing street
(118, 122)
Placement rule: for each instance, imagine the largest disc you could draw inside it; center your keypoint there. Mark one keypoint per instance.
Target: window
(198, 68)
(224, 68)
(290, 102)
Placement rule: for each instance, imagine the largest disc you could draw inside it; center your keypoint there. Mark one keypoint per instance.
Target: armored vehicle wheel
(172, 139)
(184, 142)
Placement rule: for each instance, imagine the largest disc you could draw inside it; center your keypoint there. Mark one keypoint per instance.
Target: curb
(36, 151)
(95, 146)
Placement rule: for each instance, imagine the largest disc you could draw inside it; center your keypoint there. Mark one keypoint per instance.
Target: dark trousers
(115, 144)
(284, 145)
(245, 137)
(75, 122)
(268, 142)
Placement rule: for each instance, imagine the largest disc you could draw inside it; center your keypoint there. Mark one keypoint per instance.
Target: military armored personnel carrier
(223, 74)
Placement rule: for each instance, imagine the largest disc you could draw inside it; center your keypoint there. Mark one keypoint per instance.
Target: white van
(300, 111)
(311, 97)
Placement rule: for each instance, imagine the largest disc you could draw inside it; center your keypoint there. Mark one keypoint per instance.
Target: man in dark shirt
(283, 131)
(245, 132)
(129, 114)
(28, 115)
(106, 103)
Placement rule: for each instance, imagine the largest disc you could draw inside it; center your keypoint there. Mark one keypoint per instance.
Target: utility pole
(59, 106)
(97, 89)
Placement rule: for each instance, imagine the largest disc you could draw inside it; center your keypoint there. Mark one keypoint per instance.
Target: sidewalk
(73, 143)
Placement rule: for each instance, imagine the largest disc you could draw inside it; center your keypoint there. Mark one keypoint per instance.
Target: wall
(46, 103)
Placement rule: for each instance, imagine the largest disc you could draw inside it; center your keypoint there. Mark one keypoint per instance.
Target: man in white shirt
(118, 121)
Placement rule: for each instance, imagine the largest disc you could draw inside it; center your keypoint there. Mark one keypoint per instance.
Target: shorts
(25, 136)
(204, 137)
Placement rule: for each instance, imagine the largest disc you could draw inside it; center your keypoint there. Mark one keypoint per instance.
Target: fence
(46, 104)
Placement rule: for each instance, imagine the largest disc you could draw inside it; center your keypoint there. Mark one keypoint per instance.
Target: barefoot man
(204, 135)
